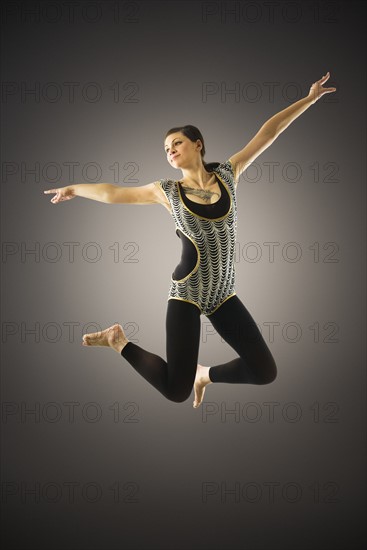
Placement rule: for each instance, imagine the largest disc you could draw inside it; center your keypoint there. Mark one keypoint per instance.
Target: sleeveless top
(205, 275)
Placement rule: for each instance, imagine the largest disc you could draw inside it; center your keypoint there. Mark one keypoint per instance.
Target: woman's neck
(198, 177)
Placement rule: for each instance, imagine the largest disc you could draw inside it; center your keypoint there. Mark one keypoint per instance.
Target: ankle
(208, 377)
(121, 345)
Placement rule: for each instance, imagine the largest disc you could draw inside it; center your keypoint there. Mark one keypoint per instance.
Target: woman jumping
(204, 207)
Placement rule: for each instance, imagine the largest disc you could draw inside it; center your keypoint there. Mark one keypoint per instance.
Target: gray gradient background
(169, 451)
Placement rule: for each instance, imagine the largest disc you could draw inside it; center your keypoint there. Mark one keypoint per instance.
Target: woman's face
(179, 149)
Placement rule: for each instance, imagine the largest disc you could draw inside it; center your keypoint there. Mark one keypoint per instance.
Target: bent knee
(269, 376)
(179, 396)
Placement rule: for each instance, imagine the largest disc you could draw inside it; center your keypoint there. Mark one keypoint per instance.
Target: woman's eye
(175, 144)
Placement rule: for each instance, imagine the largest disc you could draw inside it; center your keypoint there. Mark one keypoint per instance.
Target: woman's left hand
(316, 90)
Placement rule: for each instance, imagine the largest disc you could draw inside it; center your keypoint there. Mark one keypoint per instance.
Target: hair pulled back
(193, 134)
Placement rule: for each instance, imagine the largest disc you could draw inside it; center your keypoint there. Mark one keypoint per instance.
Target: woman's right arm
(95, 191)
(111, 194)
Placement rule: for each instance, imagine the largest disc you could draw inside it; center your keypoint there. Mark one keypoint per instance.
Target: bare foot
(201, 380)
(113, 337)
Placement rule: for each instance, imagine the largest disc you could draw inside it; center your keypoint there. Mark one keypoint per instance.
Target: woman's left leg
(255, 364)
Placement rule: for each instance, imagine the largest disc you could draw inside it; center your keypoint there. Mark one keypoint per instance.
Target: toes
(198, 396)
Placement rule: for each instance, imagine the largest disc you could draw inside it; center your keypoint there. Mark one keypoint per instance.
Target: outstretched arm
(273, 127)
(279, 122)
(95, 191)
(109, 193)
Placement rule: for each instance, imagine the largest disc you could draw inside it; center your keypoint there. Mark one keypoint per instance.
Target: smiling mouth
(173, 158)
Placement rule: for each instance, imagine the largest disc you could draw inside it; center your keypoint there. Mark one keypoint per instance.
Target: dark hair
(193, 133)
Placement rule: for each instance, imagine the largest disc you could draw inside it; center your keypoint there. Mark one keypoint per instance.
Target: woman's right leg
(173, 378)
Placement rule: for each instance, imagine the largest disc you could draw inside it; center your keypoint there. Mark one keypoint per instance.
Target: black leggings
(175, 378)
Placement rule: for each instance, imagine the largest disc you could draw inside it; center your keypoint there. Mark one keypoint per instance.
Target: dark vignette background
(104, 461)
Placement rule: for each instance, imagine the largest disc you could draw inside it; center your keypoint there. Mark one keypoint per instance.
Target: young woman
(204, 207)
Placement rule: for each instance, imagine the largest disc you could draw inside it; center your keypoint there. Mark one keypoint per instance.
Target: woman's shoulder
(168, 187)
(166, 184)
(225, 165)
(226, 170)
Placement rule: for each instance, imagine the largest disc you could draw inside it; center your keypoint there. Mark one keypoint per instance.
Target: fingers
(59, 195)
(322, 80)
(54, 199)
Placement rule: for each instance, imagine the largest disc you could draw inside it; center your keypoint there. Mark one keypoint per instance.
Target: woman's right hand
(62, 194)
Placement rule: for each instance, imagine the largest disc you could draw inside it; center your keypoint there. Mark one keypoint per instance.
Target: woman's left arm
(279, 122)
(271, 129)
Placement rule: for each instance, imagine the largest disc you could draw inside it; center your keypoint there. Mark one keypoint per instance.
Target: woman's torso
(206, 272)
